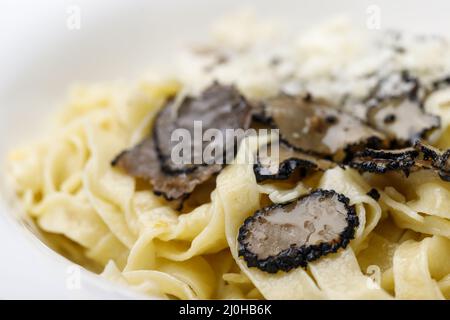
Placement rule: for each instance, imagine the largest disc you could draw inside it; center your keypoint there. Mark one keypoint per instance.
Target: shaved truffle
(218, 107)
(395, 108)
(314, 126)
(288, 162)
(396, 85)
(392, 86)
(287, 236)
(382, 161)
(143, 162)
(402, 119)
(444, 172)
(434, 158)
(429, 153)
(421, 156)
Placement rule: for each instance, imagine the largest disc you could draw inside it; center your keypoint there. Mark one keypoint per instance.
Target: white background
(40, 57)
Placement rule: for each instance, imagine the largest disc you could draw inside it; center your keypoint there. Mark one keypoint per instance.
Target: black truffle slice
(392, 86)
(287, 236)
(444, 172)
(429, 153)
(382, 161)
(314, 126)
(396, 85)
(288, 162)
(218, 107)
(434, 158)
(402, 119)
(142, 162)
(421, 156)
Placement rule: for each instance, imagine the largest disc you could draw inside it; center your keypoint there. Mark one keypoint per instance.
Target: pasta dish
(333, 184)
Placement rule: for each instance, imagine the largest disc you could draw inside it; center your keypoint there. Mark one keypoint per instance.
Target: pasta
(66, 184)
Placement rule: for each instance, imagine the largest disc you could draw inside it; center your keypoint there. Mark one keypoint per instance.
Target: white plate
(41, 57)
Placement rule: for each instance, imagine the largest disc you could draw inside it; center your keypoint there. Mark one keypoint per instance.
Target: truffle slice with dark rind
(444, 172)
(402, 119)
(391, 86)
(313, 126)
(396, 85)
(421, 156)
(142, 162)
(434, 158)
(218, 107)
(382, 161)
(287, 236)
(429, 153)
(286, 163)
